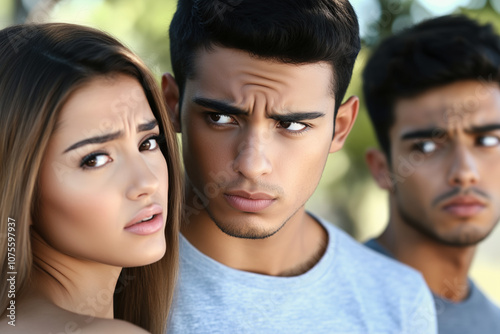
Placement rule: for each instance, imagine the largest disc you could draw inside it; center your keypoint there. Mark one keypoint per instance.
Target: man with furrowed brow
(257, 96)
(439, 135)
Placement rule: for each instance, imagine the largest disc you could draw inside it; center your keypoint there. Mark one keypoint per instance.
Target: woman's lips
(249, 202)
(142, 225)
(147, 227)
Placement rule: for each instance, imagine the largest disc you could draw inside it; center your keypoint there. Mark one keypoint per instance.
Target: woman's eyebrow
(110, 136)
(149, 125)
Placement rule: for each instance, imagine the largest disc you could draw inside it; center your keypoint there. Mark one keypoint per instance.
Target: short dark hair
(290, 31)
(433, 53)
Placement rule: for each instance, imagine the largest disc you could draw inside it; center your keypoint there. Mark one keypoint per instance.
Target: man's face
(445, 151)
(256, 135)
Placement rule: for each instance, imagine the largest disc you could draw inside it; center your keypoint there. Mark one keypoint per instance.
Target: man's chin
(463, 238)
(245, 232)
(249, 229)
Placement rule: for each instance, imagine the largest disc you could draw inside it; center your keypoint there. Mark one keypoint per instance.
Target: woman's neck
(76, 285)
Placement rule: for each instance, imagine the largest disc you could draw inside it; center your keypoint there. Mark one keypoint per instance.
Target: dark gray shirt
(476, 314)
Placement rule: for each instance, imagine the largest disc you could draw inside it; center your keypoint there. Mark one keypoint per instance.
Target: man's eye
(292, 126)
(488, 141)
(221, 119)
(427, 146)
(149, 144)
(95, 160)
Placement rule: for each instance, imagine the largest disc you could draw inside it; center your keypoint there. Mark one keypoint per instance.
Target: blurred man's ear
(171, 95)
(346, 115)
(379, 168)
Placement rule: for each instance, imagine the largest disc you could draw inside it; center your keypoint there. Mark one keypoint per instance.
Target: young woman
(90, 184)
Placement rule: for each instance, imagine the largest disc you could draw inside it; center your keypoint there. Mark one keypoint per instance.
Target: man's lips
(249, 202)
(464, 206)
(147, 221)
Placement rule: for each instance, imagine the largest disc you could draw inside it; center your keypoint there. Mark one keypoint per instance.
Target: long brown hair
(40, 66)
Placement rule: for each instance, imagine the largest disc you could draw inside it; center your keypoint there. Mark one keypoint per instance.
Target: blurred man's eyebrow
(227, 109)
(422, 133)
(483, 128)
(149, 125)
(433, 132)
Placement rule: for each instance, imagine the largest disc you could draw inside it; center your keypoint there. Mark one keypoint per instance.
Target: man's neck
(445, 268)
(291, 251)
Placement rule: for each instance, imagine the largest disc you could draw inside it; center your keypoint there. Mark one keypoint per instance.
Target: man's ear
(171, 95)
(379, 168)
(346, 115)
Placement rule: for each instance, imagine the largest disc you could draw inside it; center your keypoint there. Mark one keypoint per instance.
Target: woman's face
(102, 175)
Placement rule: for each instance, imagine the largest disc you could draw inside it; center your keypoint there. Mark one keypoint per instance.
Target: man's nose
(463, 171)
(252, 154)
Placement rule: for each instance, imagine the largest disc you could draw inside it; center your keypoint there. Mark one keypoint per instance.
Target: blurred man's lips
(464, 206)
(249, 202)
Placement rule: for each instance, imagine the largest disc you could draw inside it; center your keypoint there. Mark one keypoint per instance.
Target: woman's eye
(149, 144)
(427, 146)
(292, 126)
(95, 160)
(488, 141)
(221, 119)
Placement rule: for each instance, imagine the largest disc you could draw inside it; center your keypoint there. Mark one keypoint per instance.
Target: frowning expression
(445, 149)
(104, 181)
(256, 135)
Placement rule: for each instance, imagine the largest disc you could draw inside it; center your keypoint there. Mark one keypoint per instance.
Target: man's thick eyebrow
(423, 133)
(225, 108)
(297, 116)
(483, 128)
(150, 125)
(222, 107)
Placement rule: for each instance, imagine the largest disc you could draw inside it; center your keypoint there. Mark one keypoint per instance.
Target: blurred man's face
(256, 135)
(445, 151)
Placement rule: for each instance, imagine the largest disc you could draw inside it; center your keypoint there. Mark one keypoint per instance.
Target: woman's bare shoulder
(48, 318)
(97, 326)
(112, 326)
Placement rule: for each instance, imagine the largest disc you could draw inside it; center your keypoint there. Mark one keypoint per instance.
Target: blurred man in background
(433, 96)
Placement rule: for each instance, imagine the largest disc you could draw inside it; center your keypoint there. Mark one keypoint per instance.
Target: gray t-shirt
(476, 314)
(351, 290)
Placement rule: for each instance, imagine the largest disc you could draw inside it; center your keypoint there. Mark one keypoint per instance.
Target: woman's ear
(170, 91)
